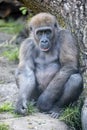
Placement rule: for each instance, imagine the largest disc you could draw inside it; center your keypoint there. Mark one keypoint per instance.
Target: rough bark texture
(84, 116)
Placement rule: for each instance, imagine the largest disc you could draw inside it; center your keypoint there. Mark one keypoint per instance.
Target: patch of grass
(31, 108)
(11, 53)
(11, 27)
(4, 126)
(2, 82)
(72, 116)
(6, 107)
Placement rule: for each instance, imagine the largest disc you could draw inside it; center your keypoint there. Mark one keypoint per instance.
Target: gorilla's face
(44, 30)
(44, 36)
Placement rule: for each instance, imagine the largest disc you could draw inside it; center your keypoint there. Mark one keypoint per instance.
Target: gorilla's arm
(25, 77)
(69, 64)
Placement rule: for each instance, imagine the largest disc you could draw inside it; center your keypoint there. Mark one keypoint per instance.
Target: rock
(37, 121)
(7, 71)
(8, 93)
(5, 37)
(84, 115)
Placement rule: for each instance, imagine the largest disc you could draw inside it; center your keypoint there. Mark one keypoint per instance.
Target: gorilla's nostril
(23, 108)
(45, 41)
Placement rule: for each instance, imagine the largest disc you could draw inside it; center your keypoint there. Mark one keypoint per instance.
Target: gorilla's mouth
(45, 46)
(45, 49)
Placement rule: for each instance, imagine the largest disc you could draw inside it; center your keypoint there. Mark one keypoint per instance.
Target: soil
(9, 93)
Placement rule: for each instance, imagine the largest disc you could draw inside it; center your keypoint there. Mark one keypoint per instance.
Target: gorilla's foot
(55, 112)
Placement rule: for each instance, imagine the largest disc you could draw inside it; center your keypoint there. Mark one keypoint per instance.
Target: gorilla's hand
(21, 107)
(44, 103)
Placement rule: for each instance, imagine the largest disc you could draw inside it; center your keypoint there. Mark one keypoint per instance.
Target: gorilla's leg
(72, 90)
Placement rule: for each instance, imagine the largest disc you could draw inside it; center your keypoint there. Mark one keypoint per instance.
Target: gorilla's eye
(48, 32)
(39, 33)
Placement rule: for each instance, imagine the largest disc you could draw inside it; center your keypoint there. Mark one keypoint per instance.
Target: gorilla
(48, 69)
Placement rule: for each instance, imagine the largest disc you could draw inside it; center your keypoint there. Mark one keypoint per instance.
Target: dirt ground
(9, 92)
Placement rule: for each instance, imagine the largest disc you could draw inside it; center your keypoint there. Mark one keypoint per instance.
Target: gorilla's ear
(55, 25)
(30, 28)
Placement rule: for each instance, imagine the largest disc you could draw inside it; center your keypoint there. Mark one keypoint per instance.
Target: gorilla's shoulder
(64, 32)
(27, 45)
(66, 35)
(28, 42)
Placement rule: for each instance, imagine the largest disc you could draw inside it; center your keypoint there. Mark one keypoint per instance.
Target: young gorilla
(49, 66)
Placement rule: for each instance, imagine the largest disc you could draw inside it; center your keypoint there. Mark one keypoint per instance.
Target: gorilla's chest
(46, 68)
